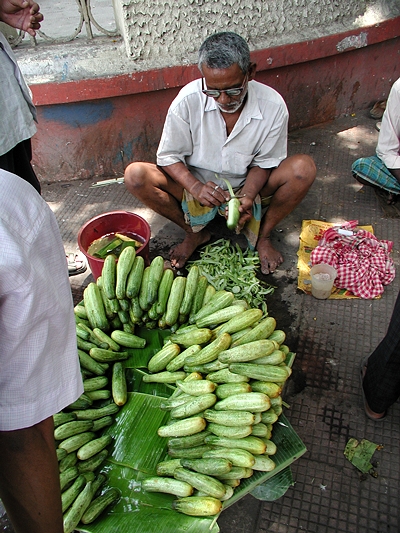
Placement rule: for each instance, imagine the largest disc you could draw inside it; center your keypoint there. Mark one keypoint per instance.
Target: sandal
(368, 411)
(76, 263)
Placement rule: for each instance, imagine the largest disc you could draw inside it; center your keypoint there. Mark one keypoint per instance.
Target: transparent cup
(322, 279)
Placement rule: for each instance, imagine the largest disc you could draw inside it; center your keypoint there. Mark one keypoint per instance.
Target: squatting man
(224, 125)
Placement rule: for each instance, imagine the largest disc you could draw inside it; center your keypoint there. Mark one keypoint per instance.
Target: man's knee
(304, 169)
(135, 175)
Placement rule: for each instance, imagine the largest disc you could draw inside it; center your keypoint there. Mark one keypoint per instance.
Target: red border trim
(177, 76)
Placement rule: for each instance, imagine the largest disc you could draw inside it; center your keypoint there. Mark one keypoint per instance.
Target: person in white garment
(224, 125)
(39, 365)
(382, 170)
(18, 114)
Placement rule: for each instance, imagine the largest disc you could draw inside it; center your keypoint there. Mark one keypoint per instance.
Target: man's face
(224, 80)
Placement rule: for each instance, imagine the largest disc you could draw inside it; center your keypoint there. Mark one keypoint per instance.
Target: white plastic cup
(322, 278)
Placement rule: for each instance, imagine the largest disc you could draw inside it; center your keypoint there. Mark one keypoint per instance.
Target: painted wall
(93, 128)
(169, 33)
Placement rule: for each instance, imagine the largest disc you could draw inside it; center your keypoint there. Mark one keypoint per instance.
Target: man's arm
(30, 479)
(21, 14)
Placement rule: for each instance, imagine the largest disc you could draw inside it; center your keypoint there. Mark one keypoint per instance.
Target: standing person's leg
(18, 161)
(30, 479)
(288, 184)
(381, 383)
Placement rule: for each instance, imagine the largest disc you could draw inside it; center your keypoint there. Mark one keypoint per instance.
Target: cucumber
(248, 401)
(221, 316)
(163, 377)
(218, 301)
(142, 296)
(197, 388)
(263, 463)
(211, 351)
(106, 339)
(83, 402)
(68, 476)
(241, 321)
(175, 300)
(155, 275)
(109, 276)
(229, 418)
(135, 277)
(262, 330)
(76, 441)
(91, 384)
(94, 414)
(198, 505)
(178, 361)
(273, 373)
(128, 340)
(163, 357)
(181, 428)
(189, 441)
(95, 307)
(123, 269)
(230, 432)
(232, 389)
(254, 445)
(188, 338)
(101, 423)
(70, 494)
(62, 418)
(163, 290)
(99, 394)
(99, 505)
(72, 428)
(93, 447)
(211, 466)
(194, 406)
(90, 364)
(167, 485)
(190, 291)
(272, 390)
(226, 376)
(73, 516)
(275, 358)
(237, 456)
(195, 452)
(278, 335)
(119, 385)
(247, 352)
(167, 468)
(203, 482)
(93, 463)
(107, 356)
(236, 472)
(198, 297)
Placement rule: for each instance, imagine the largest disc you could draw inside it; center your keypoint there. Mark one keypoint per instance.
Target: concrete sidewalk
(329, 336)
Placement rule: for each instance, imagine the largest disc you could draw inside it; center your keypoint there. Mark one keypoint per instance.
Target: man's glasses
(214, 93)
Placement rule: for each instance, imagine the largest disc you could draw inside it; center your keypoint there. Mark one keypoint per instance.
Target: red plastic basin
(111, 222)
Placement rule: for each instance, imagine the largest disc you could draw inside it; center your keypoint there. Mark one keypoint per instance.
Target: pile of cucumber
(227, 361)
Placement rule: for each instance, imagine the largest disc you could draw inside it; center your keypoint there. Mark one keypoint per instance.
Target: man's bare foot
(181, 253)
(269, 257)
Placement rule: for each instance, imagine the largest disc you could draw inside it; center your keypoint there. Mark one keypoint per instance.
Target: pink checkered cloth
(363, 262)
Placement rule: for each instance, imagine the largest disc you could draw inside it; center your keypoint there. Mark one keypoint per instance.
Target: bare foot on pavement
(270, 258)
(181, 253)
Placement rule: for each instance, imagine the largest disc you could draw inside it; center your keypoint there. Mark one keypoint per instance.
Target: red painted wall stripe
(177, 76)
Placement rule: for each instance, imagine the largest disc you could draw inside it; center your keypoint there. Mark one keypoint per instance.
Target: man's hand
(21, 14)
(209, 194)
(246, 211)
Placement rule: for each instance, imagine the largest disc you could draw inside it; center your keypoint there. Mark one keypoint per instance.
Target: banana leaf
(137, 449)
